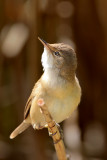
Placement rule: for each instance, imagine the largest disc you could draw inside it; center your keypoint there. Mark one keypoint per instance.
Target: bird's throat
(52, 78)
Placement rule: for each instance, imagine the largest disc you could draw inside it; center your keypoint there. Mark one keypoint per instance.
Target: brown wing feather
(27, 107)
(29, 102)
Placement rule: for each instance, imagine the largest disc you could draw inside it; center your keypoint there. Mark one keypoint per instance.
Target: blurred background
(80, 23)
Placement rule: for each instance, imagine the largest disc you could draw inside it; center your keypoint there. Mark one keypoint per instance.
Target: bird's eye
(56, 53)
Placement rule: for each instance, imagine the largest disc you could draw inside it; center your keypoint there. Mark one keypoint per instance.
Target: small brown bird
(58, 86)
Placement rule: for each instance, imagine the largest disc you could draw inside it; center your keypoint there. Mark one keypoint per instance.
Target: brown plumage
(58, 86)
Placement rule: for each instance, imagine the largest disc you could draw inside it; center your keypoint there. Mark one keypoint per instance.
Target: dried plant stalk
(52, 128)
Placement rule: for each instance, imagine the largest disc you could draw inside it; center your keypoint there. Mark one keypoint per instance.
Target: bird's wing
(29, 102)
(28, 106)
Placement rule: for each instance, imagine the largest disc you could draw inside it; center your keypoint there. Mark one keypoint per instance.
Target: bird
(58, 86)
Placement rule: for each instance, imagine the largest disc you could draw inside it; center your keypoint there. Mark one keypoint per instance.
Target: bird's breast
(63, 102)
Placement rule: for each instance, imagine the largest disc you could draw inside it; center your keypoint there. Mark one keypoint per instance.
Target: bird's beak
(46, 44)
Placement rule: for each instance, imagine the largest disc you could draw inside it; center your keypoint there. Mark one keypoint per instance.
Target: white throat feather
(51, 74)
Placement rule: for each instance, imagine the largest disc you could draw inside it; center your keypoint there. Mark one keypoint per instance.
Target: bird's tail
(19, 129)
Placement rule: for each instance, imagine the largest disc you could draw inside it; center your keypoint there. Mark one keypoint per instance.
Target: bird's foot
(60, 130)
(37, 126)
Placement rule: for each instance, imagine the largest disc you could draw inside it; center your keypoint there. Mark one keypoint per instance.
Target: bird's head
(60, 57)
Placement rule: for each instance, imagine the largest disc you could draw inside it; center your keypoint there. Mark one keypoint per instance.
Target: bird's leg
(34, 126)
(37, 126)
(49, 131)
(60, 130)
